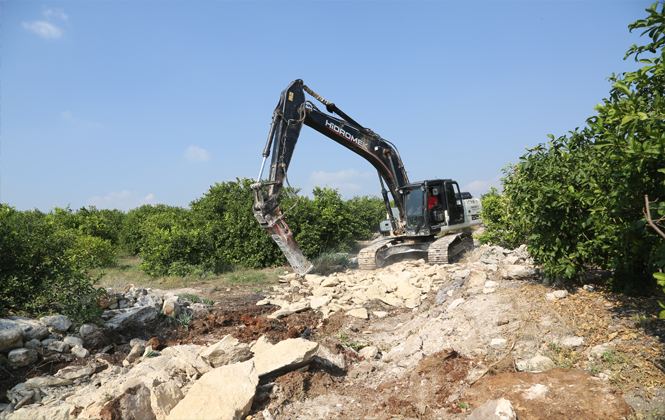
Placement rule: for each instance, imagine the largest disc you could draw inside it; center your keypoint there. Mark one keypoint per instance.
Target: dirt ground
(440, 385)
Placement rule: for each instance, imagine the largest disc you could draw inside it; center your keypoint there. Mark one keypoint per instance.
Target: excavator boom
(292, 112)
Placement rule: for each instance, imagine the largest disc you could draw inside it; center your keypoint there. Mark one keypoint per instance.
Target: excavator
(424, 209)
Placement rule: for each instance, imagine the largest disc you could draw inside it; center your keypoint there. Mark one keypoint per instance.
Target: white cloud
(322, 178)
(125, 200)
(43, 29)
(56, 13)
(70, 118)
(349, 182)
(477, 188)
(196, 154)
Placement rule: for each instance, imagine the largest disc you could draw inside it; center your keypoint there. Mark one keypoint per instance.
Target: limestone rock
(150, 300)
(517, 272)
(280, 313)
(598, 351)
(537, 363)
(261, 345)
(226, 351)
(88, 329)
(136, 352)
(380, 314)
(571, 342)
(199, 310)
(32, 344)
(22, 357)
(286, 355)
(11, 338)
(171, 307)
(185, 358)
(454, 304)
(140, 314)
(46, 381)
(72, 341)
(58, 323)
(407, 291)
(318, 302)
(412, 345)
(330, 282)
(477, 278)
(32, 329)
(59, 346)
(80, 351)
(328, 358)
(358, 313)
(225, 393)
(369, 352)
(392, 300)
(500, 409)
(314, 279)
(134, 403)
(59, 410)
(299, 306)
(499, 343)
(560, 294)
(163, 398)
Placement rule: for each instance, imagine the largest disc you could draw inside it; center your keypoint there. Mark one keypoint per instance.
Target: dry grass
(128, 272)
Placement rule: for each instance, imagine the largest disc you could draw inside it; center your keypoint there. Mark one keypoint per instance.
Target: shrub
(580, 197)
(132, 232)
(499, 222)
(36, 275)
(91, 252)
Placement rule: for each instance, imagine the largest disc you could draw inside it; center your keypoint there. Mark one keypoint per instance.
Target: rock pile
(400, 285)
(185, 381)
(21, 337)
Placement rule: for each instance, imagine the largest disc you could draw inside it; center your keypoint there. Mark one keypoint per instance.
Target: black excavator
(423, 209)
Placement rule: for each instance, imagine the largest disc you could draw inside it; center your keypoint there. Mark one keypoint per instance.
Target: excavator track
(445, 249)
(367, 256)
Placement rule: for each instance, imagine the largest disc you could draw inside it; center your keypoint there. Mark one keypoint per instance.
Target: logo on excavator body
(344, 134)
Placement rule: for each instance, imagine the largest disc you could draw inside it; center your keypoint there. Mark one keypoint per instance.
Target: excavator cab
(432, 205)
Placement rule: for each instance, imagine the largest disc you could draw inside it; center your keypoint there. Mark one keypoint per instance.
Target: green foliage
(660, 279)
(329, 223)
(92, 252)
(225, 212)
(132, 231)
(37, 273)
(103, 224)
(499, 222)
(579, 199)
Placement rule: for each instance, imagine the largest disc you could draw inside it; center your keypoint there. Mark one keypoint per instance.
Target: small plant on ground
(563, 357)
(183, 319)
(208, 301)
(358, 345)
(150, 353)
(642, 320)
(192, 298)
(611, 358)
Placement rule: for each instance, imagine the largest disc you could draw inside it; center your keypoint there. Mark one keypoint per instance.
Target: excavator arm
(292, 112)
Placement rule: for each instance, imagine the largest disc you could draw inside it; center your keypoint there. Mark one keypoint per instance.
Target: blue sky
(122, 103)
